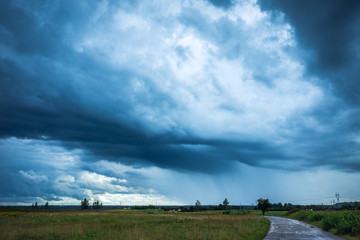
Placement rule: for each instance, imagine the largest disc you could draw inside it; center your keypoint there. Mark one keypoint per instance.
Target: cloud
(330, 37)
(100, 182)
(191, 87)
(45, 176)
(31, 175)
(221, 3)
(118, 101)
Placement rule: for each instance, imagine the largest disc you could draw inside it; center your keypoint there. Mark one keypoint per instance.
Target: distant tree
(225, 202)
(277, 206)
(85, 204)
(226, 206)
(35, 206)
(197, 205)
(46, 206)
(97, 205)
(263, 205)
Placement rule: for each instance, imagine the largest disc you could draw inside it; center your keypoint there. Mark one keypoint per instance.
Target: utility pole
(337, 195)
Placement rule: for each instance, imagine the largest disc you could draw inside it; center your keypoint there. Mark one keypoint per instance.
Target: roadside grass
(276, 213)
(268, 213)
(130, 224)
(343, 223)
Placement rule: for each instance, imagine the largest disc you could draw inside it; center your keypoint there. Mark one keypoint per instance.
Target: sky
(163, 103)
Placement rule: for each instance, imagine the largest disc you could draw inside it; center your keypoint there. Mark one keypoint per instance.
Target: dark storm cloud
(221, 3)
(330, 33)
(52, 91)
(46, 103)
(38, 113)
(330, 29)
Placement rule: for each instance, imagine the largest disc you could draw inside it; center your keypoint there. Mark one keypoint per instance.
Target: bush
(330, 221)
(315, 216)
(349, 223)
(301, 215)
(292, 211)
(307, 216)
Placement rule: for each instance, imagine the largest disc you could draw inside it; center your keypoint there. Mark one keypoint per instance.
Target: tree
(97, 205)
(226, 206)
(35, 206)
(225, 203)
(263, 205)
(85, 204)
(46, 205)
(197, 205)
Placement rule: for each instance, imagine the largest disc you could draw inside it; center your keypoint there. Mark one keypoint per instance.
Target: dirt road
(284, 228)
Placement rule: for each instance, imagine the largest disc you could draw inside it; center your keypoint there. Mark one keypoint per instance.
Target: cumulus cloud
(64, 184)
(101, 182)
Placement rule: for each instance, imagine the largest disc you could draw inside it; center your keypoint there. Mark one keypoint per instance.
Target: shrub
(301, 215)
(292, 211)
(349, 223)
(315, 216)
(330, 221)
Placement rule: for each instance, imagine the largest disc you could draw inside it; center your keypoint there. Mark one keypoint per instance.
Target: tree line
(85, 204)
(262, 204)
(35, 206)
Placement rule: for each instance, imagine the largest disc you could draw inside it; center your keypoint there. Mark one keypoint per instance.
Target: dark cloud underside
(221, 3)
(330, 30)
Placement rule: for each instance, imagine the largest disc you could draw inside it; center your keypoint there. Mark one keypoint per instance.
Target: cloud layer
(196, 86)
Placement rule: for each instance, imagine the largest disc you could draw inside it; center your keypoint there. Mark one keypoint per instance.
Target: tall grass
(130, 225)
(340, 222)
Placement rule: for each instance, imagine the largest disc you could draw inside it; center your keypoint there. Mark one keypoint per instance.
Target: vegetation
(129, 224)
(197, 205)
(263, 205)
(226, 206)
(339, 222)
(339, 206)
(225, 203)
(85, 204)
(34, 206)
(97, 205)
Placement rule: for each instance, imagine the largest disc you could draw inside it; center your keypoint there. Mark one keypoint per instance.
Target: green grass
(276, 213)
(342, 223)
(130, 225)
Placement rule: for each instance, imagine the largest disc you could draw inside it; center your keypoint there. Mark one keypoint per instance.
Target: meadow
(130, 224)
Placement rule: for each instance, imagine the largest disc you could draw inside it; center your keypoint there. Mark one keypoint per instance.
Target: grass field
(130, 224)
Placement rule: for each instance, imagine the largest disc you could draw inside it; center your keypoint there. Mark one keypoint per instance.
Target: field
(130, 224)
